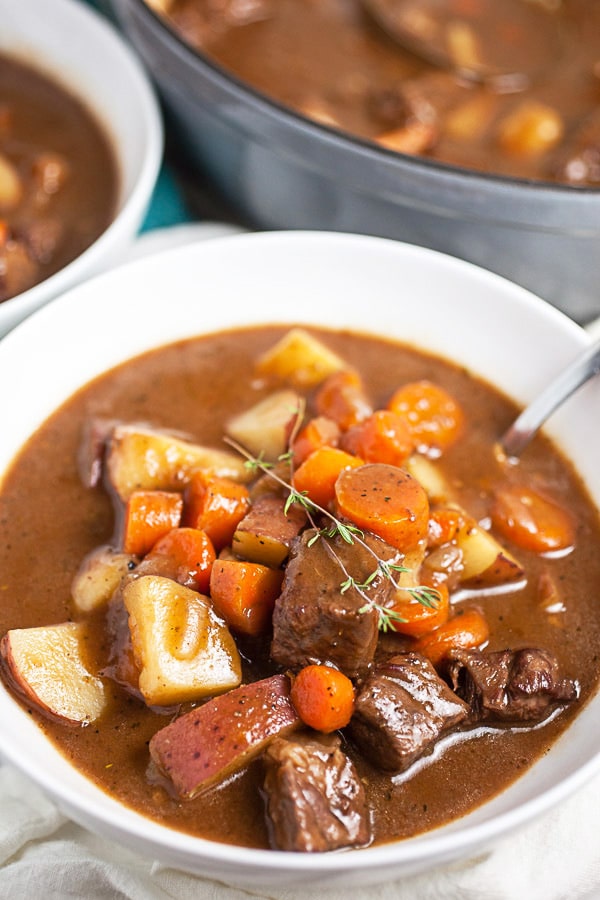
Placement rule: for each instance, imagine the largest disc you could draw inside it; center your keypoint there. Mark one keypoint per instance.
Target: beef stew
(58, 177)
(513, 627)
(332, 62)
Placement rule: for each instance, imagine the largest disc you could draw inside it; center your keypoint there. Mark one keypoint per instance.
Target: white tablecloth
(42, 854)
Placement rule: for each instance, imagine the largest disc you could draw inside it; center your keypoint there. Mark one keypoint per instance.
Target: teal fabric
(167, 206)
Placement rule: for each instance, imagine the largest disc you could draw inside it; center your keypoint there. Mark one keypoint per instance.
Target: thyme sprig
(350, 534)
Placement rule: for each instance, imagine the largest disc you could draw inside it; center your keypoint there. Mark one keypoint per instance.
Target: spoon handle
(525, 426)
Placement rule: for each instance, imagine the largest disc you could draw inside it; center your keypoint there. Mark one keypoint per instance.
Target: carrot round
(192, 554)
(433, 415)
(216, 505)
(467, 630)
(419, 619)
(444, 524)
(318, 432)
(342, 398)
(383, 437)
(530, 520)
(317, 475)
(323, 697)
(148, 516)
(385, 500)
(244, 593)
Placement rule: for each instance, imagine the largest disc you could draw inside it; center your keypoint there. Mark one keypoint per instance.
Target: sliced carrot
(383, 437)
(433, 415)
(467, 630)
(148, 516)
(323, 697)
(342, 397)
(317, 475)
(244, 594)
(318, 432)
(420, 619)
(216, 505)
(444, 524)
(385, 500)
(532, 521)
(192, 554)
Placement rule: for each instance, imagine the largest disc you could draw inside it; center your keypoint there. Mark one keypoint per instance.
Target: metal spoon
(481, 39)
(525, 426)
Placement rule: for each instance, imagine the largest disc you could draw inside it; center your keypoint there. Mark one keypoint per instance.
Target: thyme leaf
(350, 534)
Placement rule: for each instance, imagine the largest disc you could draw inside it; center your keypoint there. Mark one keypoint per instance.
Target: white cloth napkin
(44, 854)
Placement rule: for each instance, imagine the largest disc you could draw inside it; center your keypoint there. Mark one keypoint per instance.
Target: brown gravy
(58, 178)
(329, 61)
(196, 386)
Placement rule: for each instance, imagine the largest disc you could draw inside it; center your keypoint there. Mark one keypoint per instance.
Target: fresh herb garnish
(349, 533)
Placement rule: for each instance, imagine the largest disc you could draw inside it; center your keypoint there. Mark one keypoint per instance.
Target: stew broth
(331, 62)
(58, 177)
(49, 520)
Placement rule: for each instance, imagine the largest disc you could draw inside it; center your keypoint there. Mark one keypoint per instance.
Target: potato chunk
(99, 576)
(485, 561)
(47, 665)
(144, 459)
(184, 651)
(264, 429)
(208, 743)
(300, 359)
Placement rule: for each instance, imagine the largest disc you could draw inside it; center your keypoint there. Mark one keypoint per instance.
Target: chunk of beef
(511, 685)
(313, 621)
(402, 710)
(315, 799)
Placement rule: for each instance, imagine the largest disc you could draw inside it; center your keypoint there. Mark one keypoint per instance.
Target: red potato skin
(220, 736)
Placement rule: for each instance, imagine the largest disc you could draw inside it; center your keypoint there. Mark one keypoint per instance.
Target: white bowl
(81, 51)
(497, 330)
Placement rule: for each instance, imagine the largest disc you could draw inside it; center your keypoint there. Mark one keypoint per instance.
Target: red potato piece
(264, 429)
(208, 743)
(47, 666)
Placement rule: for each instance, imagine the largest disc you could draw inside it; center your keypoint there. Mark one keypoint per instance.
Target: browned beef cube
(313, 621)
(315, 799)
(402, 710)
(511, 685)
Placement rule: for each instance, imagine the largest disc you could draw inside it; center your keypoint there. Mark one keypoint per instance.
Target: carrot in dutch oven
(192, 553)
(216, 505)
(244, 593)
(317, 475)
(148, 516)
(467, 631)
(323, 697)
(385, 500)
(433, 415)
